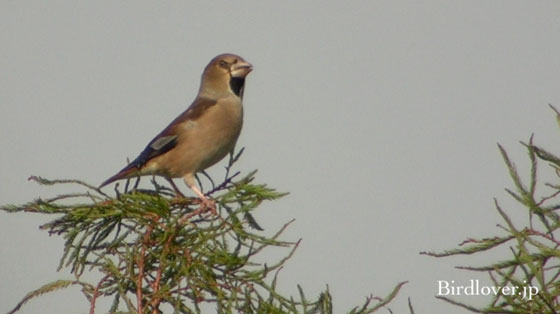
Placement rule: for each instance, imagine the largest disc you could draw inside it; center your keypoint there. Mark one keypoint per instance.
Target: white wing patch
(161, 142)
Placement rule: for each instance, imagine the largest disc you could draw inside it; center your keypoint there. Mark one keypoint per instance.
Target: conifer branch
(153, 248)
(534, 248)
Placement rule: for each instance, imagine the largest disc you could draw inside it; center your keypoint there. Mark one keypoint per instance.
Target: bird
(203, 134)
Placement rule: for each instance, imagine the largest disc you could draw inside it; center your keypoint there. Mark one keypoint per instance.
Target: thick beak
(241, 69)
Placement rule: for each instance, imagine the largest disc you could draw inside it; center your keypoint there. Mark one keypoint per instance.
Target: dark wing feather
(165, 140)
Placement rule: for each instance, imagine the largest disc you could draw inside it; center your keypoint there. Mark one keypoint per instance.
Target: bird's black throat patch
(236, 84)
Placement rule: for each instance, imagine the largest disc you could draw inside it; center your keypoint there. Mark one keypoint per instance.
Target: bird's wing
(166, 140)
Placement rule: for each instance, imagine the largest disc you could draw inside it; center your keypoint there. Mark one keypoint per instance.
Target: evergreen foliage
(534, 262)
(156, 251)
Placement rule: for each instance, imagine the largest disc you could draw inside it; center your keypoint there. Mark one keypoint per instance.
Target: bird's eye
(223, 64)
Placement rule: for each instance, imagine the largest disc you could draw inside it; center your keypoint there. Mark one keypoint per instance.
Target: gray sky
(381, 119)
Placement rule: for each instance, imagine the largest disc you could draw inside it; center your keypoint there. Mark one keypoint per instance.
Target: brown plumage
(202, 135)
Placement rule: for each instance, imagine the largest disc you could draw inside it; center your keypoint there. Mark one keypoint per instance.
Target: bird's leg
(204, 201)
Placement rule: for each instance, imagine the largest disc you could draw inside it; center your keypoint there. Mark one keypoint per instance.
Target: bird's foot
(206, 205)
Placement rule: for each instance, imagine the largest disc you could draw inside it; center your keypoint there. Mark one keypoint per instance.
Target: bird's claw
(208, 205)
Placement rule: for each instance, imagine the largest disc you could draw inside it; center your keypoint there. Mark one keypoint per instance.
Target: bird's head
(225, 74)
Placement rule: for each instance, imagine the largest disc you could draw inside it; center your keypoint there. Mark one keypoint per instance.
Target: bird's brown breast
(202, 141)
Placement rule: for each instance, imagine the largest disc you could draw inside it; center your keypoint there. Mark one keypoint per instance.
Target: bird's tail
(126, 172)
